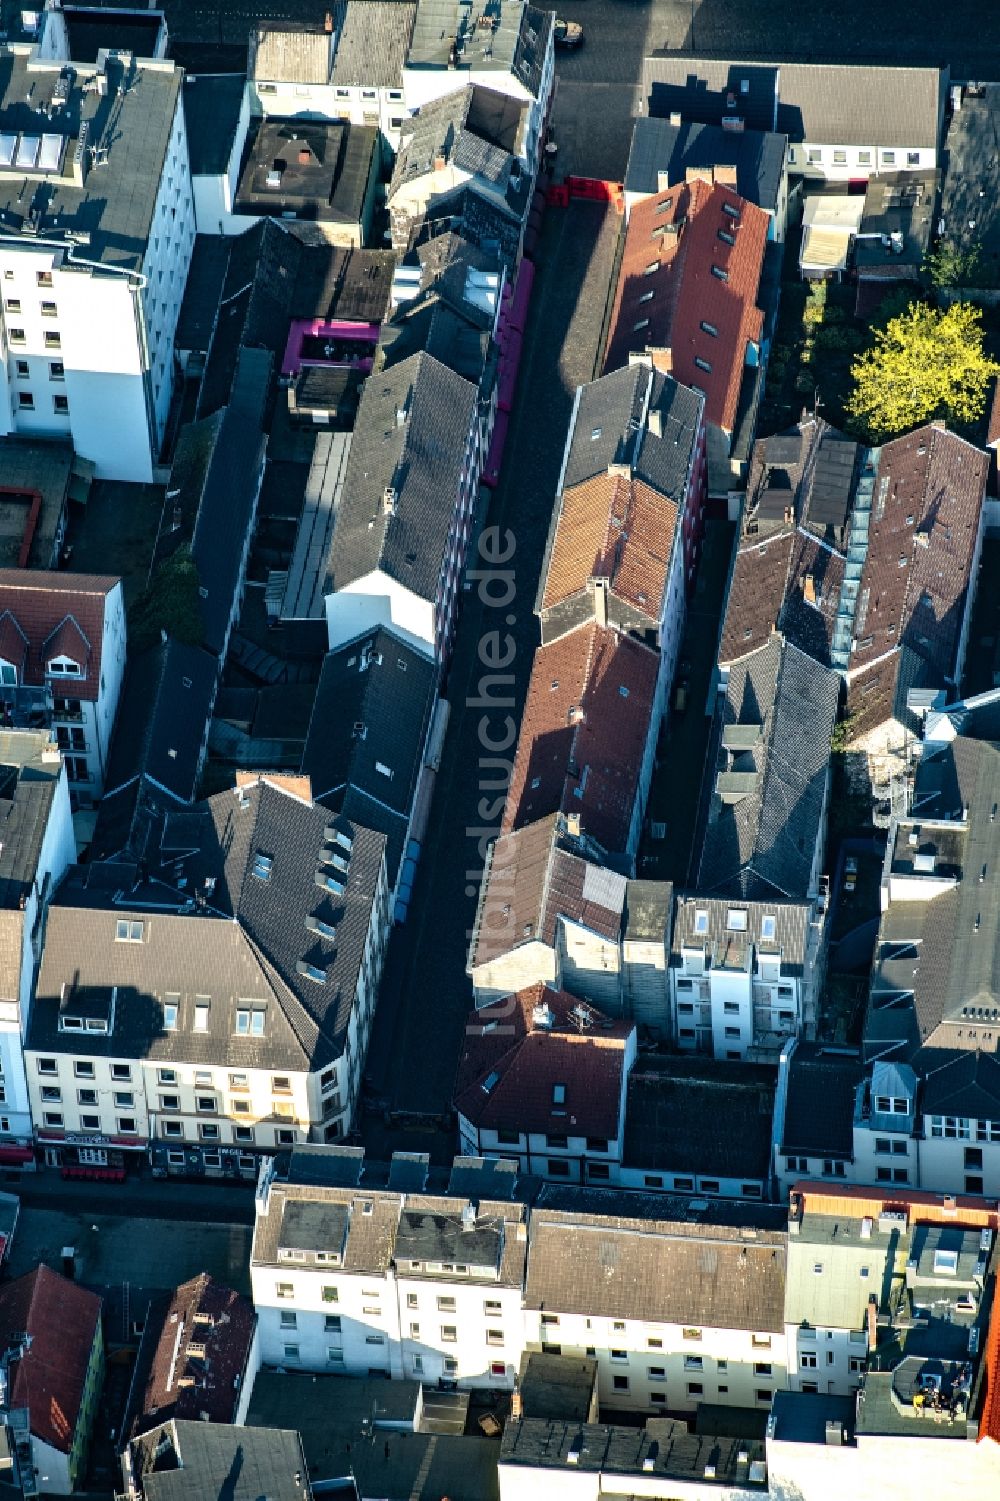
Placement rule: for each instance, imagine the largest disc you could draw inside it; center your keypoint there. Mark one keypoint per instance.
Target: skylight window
(262, 866)
(558, 1094)
(701, 921)
(720, 273)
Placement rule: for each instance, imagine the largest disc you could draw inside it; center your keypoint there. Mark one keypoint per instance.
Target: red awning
(9, 1156)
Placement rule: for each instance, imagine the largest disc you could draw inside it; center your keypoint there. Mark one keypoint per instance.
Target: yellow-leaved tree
(926, 363)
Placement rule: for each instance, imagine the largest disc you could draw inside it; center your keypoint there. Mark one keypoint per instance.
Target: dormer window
(8, 674)
(62, 667)
(128, 931)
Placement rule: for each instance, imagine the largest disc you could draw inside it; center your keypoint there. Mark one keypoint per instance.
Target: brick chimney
(726, 176)
(601, 601)
(440, 163)
(328, 23)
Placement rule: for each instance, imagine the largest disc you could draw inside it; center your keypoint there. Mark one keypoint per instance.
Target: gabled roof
(368, 730)
(261, 867)
(194, 1355)
(926, 512)
(659, 1271)
(40, 603)
(50, 1379)
(410, 439)
(692, 262)
(534, 877)
(617, 528)
(473, 128)
(766, 811)
(512, 1063)
(586, 720)
(639, 417)
(228, 497)
(968, 1085)
(659, 146)
(827, 103)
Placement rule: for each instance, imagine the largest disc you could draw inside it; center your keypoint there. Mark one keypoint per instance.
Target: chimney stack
(439, 164)
(871, 1317)
(654, 422)
(601, 601)
(328, 23)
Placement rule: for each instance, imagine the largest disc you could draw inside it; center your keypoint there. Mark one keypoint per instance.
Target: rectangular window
(53, 1118)
(49, 310)
(86, 1096)
(83, 1069)
(331, 1295)
(446, 1305)
(208, 1131)
(127, 1125)
(172, 1128)
(201, 1005)
(840, 158)
(289, 1318)
(620, 1383)
(53, 341)
(26, 400)
(695, 1388)
(449, 1334)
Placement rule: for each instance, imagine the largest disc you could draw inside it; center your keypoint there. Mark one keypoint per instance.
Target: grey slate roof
(474, 129)
(326, 176)
(410, 437)
(228, 500)
(844, 104)
(245, 942)
(761, 836)
(212, 105)
(612, 427)
(968, 1085)
(665, 1449)
(703, 922)
(658, 146)
(819, 1107)
(373, 708)
(160, 732)
(204, 1461)
(115, 205)
(372, 44)
(663, 1271)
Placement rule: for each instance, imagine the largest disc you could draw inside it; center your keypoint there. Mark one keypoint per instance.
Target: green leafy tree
(953, 265)
(927, 363)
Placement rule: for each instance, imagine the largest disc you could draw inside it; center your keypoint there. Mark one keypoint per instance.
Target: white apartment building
(37, 848)
(742, 974)
(350, 69)
(368, 1281)
(675, 1314)
(62, 661)
(94, 257)
(508, 47)
(160, 1027)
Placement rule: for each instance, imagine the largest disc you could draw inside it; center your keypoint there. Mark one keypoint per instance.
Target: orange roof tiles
(50, 1379)
(583, 734)
(614, 527)
(688, 286)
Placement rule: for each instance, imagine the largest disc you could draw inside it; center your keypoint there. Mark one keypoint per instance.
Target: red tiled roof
(511, 1064)
(59, 612)
(185, 1382)
(13, 643)
(531, 882)
(673, 242)
(62, 1320)
(926, 510)
(586, 720)
(614, 527)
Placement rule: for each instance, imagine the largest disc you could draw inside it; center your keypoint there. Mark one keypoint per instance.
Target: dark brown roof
(926, 513)
(533, 878)
(59, 612)
(675, 250)
(511, 1063)
(62, 1319)
(200, 1358)
(659, 1271)
(583, 733)
(614, 527)
(756, 593)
